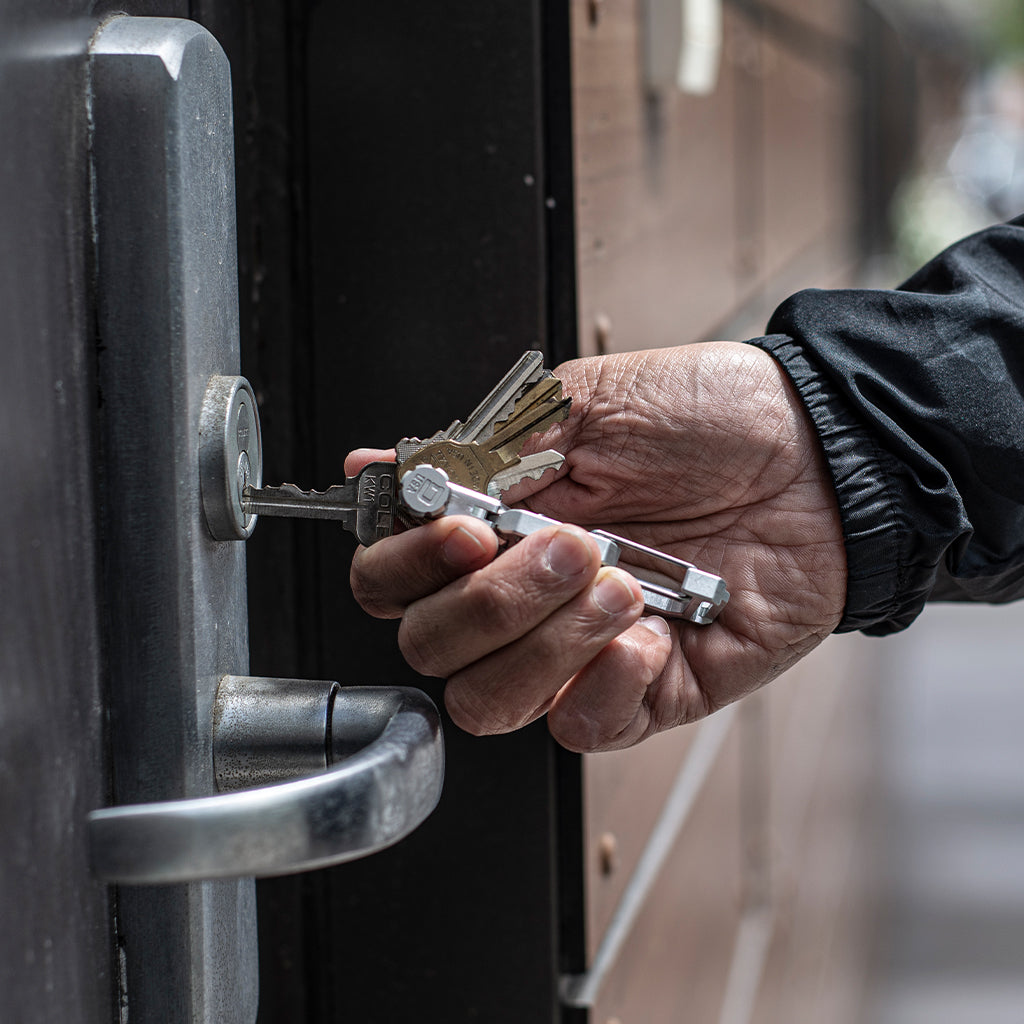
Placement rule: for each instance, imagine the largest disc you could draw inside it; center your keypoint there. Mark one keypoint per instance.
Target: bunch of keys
(464, 469)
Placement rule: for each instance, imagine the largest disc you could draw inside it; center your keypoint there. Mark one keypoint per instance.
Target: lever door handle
(384, 755)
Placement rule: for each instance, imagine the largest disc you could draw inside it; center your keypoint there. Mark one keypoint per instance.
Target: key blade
(470, 465)
(364, 504)
(409, 447)
(525, 400)
(290, 501)
(539, 408)
(529, 467)
(500, 399)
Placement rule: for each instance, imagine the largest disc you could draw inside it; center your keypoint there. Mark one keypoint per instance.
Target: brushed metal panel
(55, 943)
(167, 307)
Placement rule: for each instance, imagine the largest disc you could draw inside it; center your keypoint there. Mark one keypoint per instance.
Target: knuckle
(419, 647)
(369, 594)
(472, 712)
(467, 713)
(497, 604)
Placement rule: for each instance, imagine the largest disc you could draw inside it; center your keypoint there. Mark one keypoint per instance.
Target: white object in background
(684, 45)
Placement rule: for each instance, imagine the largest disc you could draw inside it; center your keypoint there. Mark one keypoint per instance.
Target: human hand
(704, 452)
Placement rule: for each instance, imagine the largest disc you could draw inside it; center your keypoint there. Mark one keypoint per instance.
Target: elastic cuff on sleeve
(862, 475)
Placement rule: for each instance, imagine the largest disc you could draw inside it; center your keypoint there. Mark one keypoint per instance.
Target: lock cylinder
(230, 455)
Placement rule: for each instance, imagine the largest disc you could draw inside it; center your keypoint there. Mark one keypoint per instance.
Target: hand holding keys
(701, 452)
(464, 469)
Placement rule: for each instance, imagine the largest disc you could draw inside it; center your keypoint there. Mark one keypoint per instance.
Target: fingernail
(461, 548)
(655, 624)
(612, 594)
(568, 553)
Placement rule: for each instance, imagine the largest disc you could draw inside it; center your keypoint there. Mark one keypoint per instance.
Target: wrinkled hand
(703, 451)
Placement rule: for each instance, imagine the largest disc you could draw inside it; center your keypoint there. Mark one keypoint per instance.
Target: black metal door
(405, 232)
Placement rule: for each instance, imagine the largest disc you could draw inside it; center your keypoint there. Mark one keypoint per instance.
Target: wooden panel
(689, 207)
(625, 791)
(674, 967)
(801, 22)
(695, 215)
(808, 162)
(655, 193)
(821, 830)
(785, 852)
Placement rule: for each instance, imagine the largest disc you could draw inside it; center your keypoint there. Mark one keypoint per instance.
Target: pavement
(949, 943)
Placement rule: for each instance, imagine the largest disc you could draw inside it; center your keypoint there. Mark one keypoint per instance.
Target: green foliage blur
(1002, 30)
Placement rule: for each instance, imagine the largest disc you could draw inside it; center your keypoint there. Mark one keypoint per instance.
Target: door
(125, 641)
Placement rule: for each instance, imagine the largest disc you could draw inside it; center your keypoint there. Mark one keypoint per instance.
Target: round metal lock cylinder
(230, 455)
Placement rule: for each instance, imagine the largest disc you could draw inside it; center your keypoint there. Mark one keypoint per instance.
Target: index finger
(355, 460)
(389, 575)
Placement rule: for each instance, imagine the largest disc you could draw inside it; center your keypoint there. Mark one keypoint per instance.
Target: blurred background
(966, 167)
(844, 142)
(947, 943)
(948, 940)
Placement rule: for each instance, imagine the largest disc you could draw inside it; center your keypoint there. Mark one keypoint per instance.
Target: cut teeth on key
(539, 407)
(290, 501)
(364, 504)
(409, 447)
(501, 399)
(497, 404)
(529, 467)
(526, 400)
(476, 464)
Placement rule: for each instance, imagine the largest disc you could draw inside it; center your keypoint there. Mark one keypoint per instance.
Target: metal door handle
(385, 758)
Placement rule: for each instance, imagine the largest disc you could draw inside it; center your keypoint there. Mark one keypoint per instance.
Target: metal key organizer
(218, 776)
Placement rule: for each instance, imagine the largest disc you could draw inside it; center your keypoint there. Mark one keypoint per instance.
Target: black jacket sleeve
(918, 398)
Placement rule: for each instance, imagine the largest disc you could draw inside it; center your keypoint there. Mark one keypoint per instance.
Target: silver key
(670, 585)
(529, 467)
(408, 448)
(496, 406)
(364, 504)
(501, 399)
